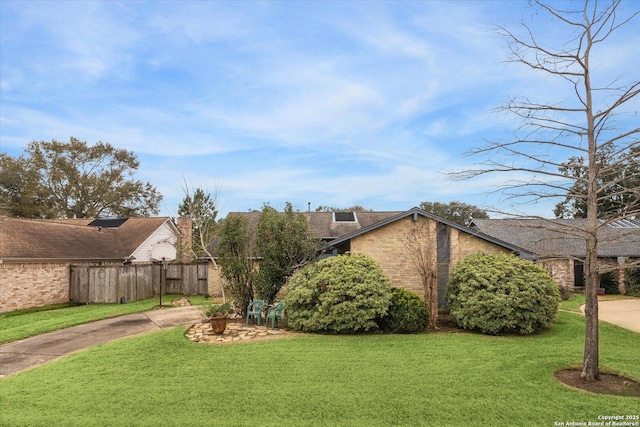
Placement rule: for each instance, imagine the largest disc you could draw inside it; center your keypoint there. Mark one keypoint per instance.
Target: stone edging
(235, 333)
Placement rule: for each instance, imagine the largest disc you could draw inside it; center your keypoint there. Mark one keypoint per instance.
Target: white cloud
(334, 102)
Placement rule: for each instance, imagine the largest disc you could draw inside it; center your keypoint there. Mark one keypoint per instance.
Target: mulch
(609, 383)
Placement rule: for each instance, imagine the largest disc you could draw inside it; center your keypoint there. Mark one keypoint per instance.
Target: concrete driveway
(30, 352)
(623, 313)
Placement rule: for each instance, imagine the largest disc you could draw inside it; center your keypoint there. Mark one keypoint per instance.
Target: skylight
(344, 217)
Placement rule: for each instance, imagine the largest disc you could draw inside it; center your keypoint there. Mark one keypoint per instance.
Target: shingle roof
(323, 225)
(563, 237)
(72, 239)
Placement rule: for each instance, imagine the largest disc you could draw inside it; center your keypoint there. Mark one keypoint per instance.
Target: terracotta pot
(219, 324)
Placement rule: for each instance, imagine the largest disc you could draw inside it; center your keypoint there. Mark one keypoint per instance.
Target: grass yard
(574, 303)
(446, 379)
(21, 324)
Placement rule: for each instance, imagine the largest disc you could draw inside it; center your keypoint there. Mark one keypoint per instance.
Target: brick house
(36, 255)
(384, 237)
(559, 245)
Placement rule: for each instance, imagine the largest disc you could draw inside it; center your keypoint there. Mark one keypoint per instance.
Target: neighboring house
(383, 236)
(36, 255)
(559, 244)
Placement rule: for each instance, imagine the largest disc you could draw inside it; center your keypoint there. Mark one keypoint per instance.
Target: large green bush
(343, 294)
(407, 313)
(501, 294)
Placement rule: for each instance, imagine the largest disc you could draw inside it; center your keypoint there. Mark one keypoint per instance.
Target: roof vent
(344, 217)
(107, 222)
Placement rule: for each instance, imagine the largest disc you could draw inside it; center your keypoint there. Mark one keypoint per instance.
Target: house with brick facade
(558, 245)
(36, 255)
(385, 237)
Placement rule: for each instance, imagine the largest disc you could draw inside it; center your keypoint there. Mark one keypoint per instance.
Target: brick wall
(387, 246)
(463, 245)
(26, 285)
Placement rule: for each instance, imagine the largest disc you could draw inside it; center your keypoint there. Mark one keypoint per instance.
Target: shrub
(343, 294)
(407, 313)
(565, 293)
(501, 294)
(632, 281)
(609, 282)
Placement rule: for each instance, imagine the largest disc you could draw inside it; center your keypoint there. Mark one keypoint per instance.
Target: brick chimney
(185, 251)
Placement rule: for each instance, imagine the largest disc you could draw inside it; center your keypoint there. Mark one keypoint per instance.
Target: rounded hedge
(343, 294)
(407, 313)
(499, 294)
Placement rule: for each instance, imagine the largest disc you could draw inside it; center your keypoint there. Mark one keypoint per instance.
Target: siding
(164, 233)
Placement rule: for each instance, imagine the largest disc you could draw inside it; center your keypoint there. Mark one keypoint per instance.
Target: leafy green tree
(75, 180)
(20, 194)
(236, 259)
(458, 212)
(618, 183)
(284, 244)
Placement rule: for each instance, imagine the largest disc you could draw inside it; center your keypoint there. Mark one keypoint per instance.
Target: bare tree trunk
(433, 303)
(590, 367)
(431, 299)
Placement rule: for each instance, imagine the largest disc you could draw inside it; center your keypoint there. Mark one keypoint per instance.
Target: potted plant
(217, 315)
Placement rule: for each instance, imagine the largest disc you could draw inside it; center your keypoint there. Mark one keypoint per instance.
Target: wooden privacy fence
(108, 284)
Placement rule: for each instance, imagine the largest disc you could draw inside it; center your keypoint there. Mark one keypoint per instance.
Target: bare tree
(201, 207)
(583, 123)
(420, 243)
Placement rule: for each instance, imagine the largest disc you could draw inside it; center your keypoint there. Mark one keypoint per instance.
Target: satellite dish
(163, 251)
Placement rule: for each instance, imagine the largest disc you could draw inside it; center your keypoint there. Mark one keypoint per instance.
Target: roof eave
(417, 211)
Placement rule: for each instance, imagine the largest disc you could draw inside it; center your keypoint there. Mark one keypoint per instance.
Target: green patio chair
(274, 313)
(255, 310)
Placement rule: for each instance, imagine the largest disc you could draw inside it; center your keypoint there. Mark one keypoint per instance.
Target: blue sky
(329, 102)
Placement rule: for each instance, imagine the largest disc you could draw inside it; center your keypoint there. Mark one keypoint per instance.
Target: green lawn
(445, 379)
(574, 303)
(25, 323)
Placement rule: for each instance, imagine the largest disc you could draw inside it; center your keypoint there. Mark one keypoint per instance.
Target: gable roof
(563, 237)
(323, 225)
(415, 212)
(73, 239)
